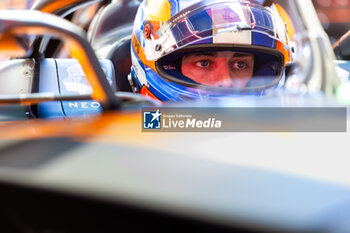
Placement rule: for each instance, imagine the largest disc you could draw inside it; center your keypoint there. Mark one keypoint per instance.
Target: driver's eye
(203, 63)
(240, 65)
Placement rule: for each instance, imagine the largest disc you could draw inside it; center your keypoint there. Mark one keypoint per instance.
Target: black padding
(121, 59)
(115, 27)
(116, 15)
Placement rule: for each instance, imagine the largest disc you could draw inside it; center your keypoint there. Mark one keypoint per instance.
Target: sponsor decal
(76, 80)
(84, 104)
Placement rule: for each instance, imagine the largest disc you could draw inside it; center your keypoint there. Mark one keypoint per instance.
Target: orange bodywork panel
(56, 5)
(10, 47)
(107, 128)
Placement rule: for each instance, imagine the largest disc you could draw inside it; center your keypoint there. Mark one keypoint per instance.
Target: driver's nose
(224, 74)
(227, 78)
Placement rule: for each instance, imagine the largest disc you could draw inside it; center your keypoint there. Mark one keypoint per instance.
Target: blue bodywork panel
(65, 76)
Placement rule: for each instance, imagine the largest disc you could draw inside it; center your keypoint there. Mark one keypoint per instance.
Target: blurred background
(333, 14)
(16, 4)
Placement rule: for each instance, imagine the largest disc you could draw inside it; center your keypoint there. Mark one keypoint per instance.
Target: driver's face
(225, 69)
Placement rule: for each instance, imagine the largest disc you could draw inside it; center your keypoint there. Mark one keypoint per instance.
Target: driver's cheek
(192, 72)
(240, 78)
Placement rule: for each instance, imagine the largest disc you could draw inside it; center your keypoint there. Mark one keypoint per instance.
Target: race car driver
(195, 49)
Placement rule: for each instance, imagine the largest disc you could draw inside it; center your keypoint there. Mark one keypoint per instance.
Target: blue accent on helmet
(261, 39)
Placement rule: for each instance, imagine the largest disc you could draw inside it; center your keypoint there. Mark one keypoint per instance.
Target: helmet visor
(238, 69)
(220, 22)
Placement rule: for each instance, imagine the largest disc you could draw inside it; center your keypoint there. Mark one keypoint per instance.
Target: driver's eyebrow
(211, 54)
(242, 55)
(215, 54)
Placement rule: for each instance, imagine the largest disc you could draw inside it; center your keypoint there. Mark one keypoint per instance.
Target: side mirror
(24, 22)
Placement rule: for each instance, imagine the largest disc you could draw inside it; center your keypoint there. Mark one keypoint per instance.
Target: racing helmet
(178, 44)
